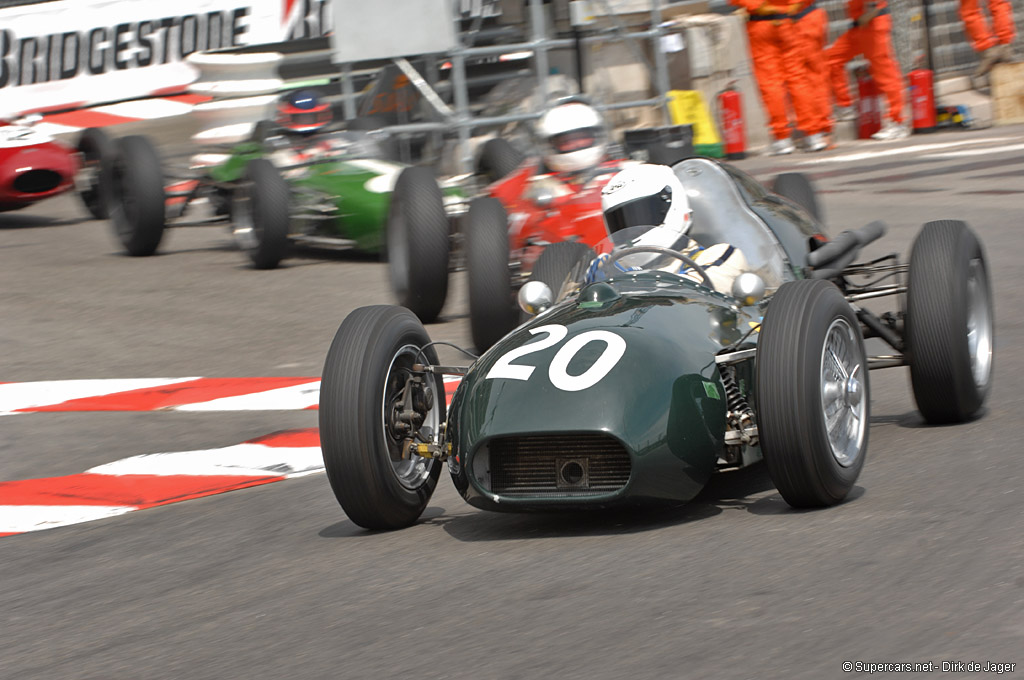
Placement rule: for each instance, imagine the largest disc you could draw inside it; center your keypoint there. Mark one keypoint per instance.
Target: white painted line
(22, 518)
(250, 460)
(15, 396)
(281, 399)
(145, 109)
(920, 148)
(976, 152)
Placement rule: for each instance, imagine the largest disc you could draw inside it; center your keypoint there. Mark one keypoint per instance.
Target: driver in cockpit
(652, 195)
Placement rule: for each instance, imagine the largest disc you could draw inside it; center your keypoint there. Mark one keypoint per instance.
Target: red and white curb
(153, 479)
(161, 394)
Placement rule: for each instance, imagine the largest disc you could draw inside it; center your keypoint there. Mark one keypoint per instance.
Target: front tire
(492, 309)
(812, 394)
(950, 330)
(560, 263)
(363, 378)
(97, 150)
(260, 214)
(418, 244)
(136, 207)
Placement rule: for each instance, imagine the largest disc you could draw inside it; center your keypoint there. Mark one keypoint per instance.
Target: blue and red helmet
(303, 111)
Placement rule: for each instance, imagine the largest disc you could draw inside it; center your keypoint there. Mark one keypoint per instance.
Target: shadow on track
(739, 489)
(14, 221)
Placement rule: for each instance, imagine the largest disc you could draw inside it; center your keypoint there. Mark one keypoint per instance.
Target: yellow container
(687, 107)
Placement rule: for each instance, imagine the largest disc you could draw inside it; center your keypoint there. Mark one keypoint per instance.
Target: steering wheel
(663, 251)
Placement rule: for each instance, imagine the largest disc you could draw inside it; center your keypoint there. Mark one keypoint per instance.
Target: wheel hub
(979, 325)
(853, 393)
(408, 409)
(842, 392)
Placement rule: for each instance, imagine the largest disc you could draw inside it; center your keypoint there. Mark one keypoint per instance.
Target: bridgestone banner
(67, 53)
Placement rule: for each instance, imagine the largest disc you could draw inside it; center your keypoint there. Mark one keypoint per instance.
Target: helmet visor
(574, 140)
(644, 211)
(303, 119)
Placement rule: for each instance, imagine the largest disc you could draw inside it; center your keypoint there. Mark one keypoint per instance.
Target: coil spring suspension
(740, 416)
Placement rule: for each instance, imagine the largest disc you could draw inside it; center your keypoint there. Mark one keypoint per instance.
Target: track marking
(169, 394)
(919, 148)
(154, 479)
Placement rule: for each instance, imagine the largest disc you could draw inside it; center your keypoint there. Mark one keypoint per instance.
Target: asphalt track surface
(922, 563)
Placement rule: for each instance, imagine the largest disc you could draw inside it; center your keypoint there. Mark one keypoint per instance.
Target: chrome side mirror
(534, 297)
(748, 288)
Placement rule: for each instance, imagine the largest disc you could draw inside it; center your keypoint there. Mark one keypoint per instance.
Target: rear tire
(366, 366)
(260, 213)
(418, 243)
(137, 196)
(98, 150)
(498, 158)
(264, 130)
(797, 187)
(812, 394)
(950, 329)
(492, 309)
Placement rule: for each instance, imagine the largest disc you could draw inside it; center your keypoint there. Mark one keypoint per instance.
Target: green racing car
(336, 189)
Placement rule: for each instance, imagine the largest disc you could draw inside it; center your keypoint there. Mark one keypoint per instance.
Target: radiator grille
(558, 465)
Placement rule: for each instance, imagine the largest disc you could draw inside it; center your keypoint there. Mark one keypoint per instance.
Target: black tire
(948, 295)
(137, 196)
(97, 150)
(260, 214)
(560, 261)
(492, 309)
(374, 486)
(498, 158)
(418, 243)
(797, 187)
(387, 143)
(264, 130)
(804, 320)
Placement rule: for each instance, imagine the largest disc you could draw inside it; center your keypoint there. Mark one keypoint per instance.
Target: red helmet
(303, 111)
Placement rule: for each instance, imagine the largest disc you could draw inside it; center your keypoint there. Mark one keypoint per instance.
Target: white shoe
(845, 113)
(891, 132)
(781, 147)
(817, 142)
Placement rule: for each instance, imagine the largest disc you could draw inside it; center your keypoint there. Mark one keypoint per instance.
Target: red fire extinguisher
(869, 105)
(730, 111)
(922, 98)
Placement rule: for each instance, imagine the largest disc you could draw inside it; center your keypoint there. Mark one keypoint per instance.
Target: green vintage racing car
(634, 384)
(337, 190)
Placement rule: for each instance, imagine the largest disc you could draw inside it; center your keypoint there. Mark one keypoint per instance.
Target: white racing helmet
(646, 195)
(572, 136)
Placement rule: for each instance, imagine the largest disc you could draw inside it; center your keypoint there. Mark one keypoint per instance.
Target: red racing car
(35, 166)
(552, 198)
(507, 230)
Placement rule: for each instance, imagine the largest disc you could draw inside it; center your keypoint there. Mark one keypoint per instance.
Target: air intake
(37, 181)
(557, 465)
